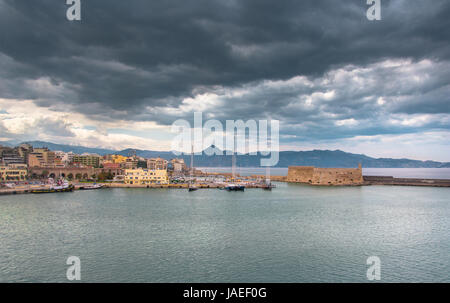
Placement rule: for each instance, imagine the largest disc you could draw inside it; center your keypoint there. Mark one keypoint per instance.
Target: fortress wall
(302, 174)
(325, 176)
(337, 176)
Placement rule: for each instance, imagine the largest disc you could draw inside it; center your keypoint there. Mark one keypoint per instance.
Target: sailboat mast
(233, 159)
(267, 174)
(192, 161)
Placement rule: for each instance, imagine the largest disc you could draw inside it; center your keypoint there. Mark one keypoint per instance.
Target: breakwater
(389, 180)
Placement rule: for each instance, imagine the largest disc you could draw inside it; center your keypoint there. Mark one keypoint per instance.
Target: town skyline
(326, 158)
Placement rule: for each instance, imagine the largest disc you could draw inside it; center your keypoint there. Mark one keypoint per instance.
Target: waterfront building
(66, 158)
(24, 150)
(41, 157)
(111, 168)
(157, 163)
(142, 176)
(13, 173)
(35, 160)
(12, 158)
(130, 163)
(10, 155)
(21, 166)
(117, 159)
(178, 165)
(87, 160)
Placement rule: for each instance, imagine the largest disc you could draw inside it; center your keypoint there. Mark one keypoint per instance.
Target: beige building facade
(13, 173)
(157, 163)
(142, 176)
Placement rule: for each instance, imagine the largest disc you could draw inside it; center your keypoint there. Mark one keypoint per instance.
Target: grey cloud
(168, 48)
(130, 59)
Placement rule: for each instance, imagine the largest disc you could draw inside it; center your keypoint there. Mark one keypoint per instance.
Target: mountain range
(318, 158)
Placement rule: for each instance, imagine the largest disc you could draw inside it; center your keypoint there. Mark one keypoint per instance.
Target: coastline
(368, 181)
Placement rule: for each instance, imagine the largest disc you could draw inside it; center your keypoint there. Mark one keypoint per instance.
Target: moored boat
(60, 187)
(268, 186)
(235, 187)
(91, 187)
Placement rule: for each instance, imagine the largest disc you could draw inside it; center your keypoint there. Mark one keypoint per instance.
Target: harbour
(294, 233)
(245, 181)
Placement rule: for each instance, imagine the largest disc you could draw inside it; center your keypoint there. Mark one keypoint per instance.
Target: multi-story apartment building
(157, 163)
(13, 172)
(35, 159)
(87, 160)
(130, 163)
(141, 176)
(41, 157)
(24, 150)
(178, 165)
(117, 159)
(66, 158)
(10, 155)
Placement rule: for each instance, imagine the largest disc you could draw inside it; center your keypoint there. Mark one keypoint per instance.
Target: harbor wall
(389, 180)
(325, 176)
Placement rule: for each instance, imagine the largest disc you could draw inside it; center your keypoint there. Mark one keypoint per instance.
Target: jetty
(389, 180)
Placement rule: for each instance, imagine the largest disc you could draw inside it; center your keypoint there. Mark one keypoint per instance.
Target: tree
(105, 176)
(101, 176)
(70, 176)
(44, 173)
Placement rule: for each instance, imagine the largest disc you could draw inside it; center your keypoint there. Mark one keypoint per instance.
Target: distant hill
(9, 143)
(71, 148)
(318, 158)
(147, 153)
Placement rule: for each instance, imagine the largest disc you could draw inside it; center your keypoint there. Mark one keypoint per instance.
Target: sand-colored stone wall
(325, 176)
(300, 174)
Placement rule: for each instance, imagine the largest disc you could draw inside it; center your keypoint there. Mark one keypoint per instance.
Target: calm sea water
(428, 173)
(296, 233)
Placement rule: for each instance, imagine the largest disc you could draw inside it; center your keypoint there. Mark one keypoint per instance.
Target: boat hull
(90, 187)
(235, 188)
(53, 190)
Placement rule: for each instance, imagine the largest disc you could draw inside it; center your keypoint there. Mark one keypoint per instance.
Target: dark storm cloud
(320, 67)
(125, 54)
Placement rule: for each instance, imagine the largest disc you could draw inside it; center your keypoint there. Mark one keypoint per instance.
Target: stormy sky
(123, 74)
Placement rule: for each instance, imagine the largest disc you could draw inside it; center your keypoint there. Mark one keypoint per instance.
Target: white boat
(60, 185)
(90, 187)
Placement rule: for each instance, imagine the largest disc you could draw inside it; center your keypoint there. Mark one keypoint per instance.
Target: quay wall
(389, 180)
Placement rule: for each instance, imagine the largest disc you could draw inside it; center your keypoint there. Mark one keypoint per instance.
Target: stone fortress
(325, 176)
